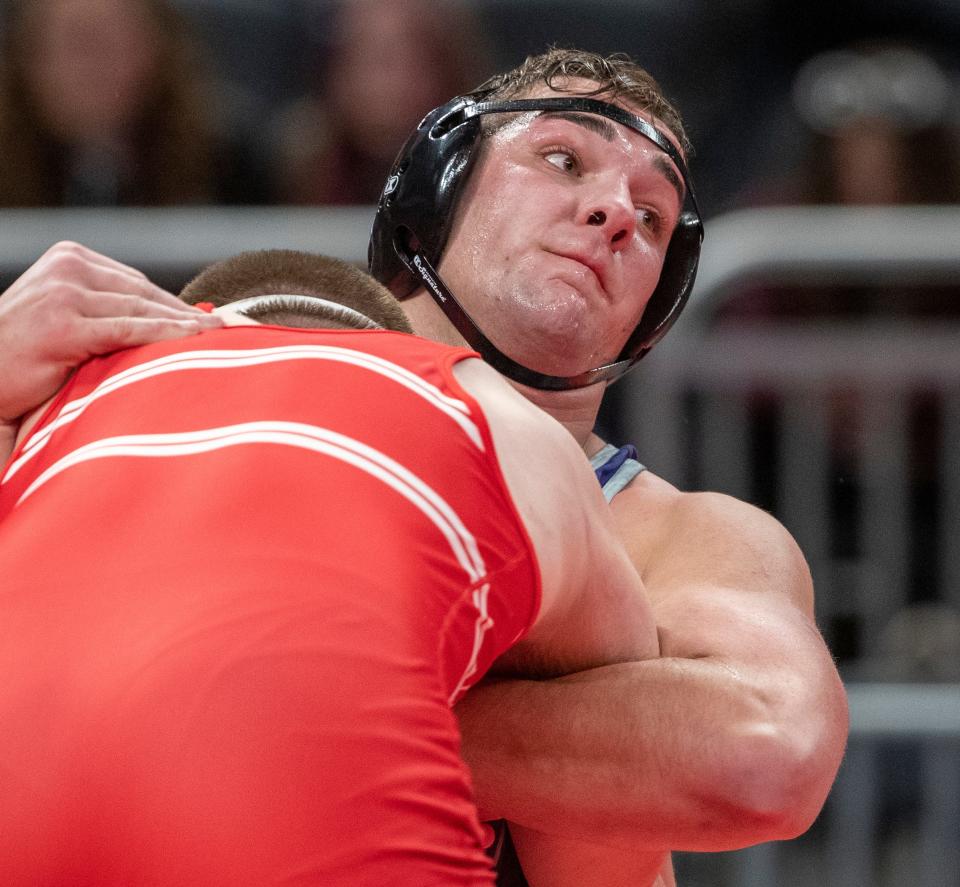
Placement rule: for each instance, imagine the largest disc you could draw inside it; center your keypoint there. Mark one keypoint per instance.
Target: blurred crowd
(245, 102)
(159, 102)
(154, 102)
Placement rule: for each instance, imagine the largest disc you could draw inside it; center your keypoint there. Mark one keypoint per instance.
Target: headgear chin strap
(415, 213)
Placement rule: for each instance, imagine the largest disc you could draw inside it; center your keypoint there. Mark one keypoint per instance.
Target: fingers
(71, 262)
(71, 304)
(121, 281)
(67, 251)
(119, 304)
(111, 276)
(116, 320)
(106, 334)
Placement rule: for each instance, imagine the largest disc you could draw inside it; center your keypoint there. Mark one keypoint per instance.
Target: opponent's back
(243, 580)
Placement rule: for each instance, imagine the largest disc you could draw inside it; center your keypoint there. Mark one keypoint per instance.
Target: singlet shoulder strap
(615, 468)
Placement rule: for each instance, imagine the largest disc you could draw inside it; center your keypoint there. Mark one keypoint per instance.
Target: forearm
(8, 436)
(669, 753)
(563, 862)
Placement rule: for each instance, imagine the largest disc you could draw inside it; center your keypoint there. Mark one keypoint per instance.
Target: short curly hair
(616, 76)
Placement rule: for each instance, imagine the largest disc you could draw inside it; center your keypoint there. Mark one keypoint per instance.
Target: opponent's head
(422, 217)
(298, 289)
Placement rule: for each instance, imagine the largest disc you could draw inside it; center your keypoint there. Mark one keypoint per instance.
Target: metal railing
(182, 240)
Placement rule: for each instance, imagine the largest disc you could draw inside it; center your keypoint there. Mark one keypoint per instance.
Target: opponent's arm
(732, 737)
(549, 861)
(71, 304)
(593, 608)
(8, 437)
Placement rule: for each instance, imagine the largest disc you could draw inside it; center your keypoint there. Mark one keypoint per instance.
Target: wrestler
(548, 219)
(245, 577)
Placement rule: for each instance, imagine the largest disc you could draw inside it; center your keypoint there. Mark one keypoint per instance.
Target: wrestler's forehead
(648, 153)
(572, 87)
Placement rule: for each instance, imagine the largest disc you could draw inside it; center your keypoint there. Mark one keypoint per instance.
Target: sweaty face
(560, 237)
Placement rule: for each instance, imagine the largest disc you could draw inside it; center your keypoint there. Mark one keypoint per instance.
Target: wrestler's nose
(614, 212)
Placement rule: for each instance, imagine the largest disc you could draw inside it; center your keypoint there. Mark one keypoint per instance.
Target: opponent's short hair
(616, 76)
(284, 272)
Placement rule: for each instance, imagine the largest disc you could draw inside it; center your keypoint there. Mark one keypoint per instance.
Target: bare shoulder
(534, 450)
(593, 609)
(685, 539)
(546, 472)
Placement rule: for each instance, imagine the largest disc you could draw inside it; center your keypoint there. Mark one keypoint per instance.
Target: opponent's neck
(8, 440)
(429, 321)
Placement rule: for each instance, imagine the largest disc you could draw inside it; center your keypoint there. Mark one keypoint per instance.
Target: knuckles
(67, 263)
(66, 247)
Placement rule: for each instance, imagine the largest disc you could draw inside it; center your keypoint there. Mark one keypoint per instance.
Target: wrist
(8, 437)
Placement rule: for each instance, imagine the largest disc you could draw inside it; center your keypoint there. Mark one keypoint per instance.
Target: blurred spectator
(878, 119)
(871, 124)
(387, 64)
(103, 102)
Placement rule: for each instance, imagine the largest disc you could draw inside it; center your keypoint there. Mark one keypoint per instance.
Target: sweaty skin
(734, 735)
(560, 273)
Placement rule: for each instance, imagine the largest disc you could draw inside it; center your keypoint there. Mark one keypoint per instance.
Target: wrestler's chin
(576, 278)
(551, 327)
(558, 346)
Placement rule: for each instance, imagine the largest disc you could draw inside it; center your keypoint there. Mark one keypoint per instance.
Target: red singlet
(242, 578)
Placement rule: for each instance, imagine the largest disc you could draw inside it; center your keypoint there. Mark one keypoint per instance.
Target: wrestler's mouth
(596, 268)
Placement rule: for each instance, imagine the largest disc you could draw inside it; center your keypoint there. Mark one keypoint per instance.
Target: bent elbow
(782, 781)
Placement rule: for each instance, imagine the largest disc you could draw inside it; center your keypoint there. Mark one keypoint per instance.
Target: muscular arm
(593, 609)
(731, 738)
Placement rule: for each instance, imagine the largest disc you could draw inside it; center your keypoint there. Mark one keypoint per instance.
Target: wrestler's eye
(650, 219)
(563, 159)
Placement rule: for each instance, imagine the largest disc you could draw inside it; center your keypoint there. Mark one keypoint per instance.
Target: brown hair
(616, 76)
(295, 273)
(172, 140)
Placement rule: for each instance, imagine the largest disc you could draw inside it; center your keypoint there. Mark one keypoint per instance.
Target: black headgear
(416, 211)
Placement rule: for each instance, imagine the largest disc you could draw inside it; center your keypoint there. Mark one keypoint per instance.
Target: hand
(72, 304)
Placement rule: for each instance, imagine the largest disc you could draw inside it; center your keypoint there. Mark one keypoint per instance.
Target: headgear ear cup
(421, 193)
(673, 289)
(416, 211)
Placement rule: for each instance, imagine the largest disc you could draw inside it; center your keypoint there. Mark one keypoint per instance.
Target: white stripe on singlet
(462, 542)
(480, 628)
(226, 359)
(296, 434)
